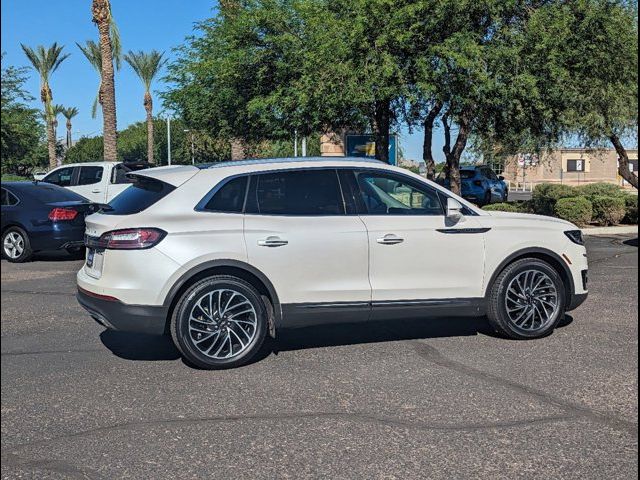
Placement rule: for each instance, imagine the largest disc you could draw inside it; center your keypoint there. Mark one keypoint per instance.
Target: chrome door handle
(390, 239)
(272, 242)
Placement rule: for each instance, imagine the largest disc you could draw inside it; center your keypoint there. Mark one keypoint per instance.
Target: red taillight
(132, 238)
(62, 214)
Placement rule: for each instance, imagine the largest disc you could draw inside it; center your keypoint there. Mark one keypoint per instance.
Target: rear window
(467, 174)
(51, 193)
(143, 193)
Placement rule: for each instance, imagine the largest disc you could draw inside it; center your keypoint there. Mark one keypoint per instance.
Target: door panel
(91, 183)
(415, 253)
(298, 235)
(311, 259)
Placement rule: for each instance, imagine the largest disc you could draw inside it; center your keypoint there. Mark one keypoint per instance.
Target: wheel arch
(235, 268)
(544, 254)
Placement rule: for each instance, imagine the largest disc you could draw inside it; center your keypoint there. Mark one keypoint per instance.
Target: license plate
(90, 256)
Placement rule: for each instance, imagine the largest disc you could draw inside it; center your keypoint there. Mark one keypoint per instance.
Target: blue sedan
(38, 216)
(481, 185)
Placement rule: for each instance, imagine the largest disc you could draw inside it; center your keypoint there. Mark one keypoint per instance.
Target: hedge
(577, 210)
(600, 189)
(631, 209)
(608, 210)
(502, 207)
(546, 195)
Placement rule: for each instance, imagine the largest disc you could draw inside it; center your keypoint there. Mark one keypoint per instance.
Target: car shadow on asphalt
(137, 346)
(632, 243)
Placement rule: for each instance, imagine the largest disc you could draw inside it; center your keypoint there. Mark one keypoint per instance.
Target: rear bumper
(57, 237)
(116, 315)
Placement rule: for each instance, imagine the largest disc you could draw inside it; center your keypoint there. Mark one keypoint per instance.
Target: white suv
(225, 255)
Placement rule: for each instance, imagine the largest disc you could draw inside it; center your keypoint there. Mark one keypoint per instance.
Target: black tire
(487, 198)
(497, 310)
(27, 252)
(186, 344)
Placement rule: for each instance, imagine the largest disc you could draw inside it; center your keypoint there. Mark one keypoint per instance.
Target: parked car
(99, 182)
(222, 256)
(480, 185)
(38, 216)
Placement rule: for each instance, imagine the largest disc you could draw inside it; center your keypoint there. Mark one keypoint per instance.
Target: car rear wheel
(527, 300)
(219, 322)
(487, 198)
(15, 245)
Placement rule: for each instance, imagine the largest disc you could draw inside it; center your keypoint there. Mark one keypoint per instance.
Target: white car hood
(528, 217)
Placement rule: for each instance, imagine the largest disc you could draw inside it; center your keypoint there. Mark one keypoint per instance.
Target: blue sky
(143, 24)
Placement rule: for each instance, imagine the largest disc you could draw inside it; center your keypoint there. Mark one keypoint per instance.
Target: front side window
(229, 198)
(61, 177)
(90, 175)
(388, 194)
(307, 192)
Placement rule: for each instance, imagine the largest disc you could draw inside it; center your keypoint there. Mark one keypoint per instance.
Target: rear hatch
(148, 187)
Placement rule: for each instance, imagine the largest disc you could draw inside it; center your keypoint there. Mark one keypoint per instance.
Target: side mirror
(454, 209)
(501, 178)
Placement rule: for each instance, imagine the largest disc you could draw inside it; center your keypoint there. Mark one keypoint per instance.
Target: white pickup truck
(99, 182)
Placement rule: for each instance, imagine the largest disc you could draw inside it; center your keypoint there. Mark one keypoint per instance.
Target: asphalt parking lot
(411, 399)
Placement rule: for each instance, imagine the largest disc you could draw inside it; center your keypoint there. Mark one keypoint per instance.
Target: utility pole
(295, 143)
(304, 146)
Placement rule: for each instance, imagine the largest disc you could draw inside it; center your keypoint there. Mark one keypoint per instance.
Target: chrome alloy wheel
(13, 245)
(222, 323)
(532, 300)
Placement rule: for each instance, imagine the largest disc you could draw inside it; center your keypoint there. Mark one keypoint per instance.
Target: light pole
(193, 148)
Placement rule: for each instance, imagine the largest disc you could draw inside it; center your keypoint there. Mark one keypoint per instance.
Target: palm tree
(69, 113)
(91, 51)
(56, 110)
(146, 66)
(101, 12)
(45, 61)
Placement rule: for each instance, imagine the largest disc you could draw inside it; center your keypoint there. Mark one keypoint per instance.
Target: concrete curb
(620, 230)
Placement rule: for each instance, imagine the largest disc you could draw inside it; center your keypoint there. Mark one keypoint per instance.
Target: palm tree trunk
(101, 10)
(51, 144)
(148, 106)
(69, 140)
(237, 149)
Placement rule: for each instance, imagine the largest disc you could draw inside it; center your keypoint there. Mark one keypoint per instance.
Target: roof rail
(262, 161)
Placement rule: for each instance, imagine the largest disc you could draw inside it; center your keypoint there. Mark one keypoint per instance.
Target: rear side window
(8, 198)
(90, 175)
(309, 192)
(230, 197)
(62, 177)
(143, 193)
(119, 174)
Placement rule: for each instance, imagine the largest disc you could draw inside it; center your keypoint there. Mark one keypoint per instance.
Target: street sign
(365, 146)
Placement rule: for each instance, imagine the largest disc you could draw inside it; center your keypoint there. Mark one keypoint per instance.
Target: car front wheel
(527, 300)
(219, 322)
(15, 245)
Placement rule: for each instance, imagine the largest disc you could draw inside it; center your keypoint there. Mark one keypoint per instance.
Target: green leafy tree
(46, 61)
(146, 66)
(21, 132)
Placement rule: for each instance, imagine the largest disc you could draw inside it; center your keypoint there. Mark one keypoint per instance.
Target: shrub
(608, 210)
(631, 209)
(578, 210)
(546, 195)
(600, 189)
(12, 178)
(502, 207)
